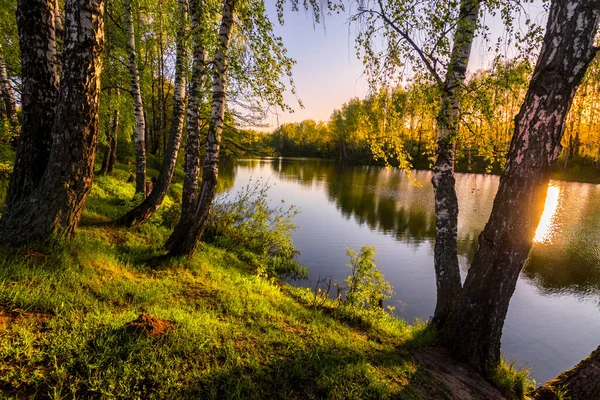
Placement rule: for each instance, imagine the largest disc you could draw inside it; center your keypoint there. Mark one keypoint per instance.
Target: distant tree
(8, 97)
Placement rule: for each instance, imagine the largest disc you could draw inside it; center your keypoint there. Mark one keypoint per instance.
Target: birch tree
(187, 232)
(197, 89)
(53, 209)
(39, 97)
(143, 211)
(474, 328)
(138, 106)
(436, 20)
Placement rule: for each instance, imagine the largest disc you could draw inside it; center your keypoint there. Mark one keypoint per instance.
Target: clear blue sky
(327, 73)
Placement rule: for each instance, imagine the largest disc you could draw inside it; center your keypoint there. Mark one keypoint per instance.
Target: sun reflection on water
(547, 226)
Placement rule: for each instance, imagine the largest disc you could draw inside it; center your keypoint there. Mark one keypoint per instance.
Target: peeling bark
(138, 107)
(474, 328)
(447, 271)
(54, 209)
(39, 96)
(142, 212)
(184, 238)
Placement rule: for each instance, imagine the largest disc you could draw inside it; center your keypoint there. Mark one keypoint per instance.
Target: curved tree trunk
(142, 212)
(53, 210)
(582, 382)
(10, 105)
(138, 107)
(184, 238)
(192, 146)
(447, 272)
(474, 328)
(39, 96)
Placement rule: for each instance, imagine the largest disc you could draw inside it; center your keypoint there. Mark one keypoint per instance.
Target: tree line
(238, 65)
(398, 126)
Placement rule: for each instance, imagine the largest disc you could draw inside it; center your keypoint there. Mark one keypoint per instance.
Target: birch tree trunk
(184, 238)
(8, 97)
(138, 107)
(192, 146)
(112, 157)
(474, 328)
(447, 271)
(53, 210)
(39, 96)
(142, 212)
(112, 125)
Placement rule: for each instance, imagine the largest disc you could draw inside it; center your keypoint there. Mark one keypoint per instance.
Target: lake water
(554, 317)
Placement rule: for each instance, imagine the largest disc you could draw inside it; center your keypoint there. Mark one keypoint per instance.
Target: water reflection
(547, 227)
(552, 321)
(566, 254)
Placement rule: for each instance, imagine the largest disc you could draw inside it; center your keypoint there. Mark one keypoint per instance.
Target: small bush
(362, 299)
(249, 223)
(367, 287)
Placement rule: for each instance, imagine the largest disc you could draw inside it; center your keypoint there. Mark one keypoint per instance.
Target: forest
(130, 268)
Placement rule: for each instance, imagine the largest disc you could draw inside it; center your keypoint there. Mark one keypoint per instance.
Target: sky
(328, 73)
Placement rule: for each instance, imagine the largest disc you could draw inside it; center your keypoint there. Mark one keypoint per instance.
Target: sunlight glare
(546, 228)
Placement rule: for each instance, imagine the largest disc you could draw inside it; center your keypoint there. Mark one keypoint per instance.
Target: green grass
(236, 333)
(514, 383)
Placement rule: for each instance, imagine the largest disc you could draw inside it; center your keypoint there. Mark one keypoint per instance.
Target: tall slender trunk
(53, 210)
(138, 107)
(112, 125)
(10, 105)
(107, 133)
(112, 157)
(39, 96)
(187, 233)
(192, 146)
(142, 212)
(582, 382)
(474, 328)
(447, 272)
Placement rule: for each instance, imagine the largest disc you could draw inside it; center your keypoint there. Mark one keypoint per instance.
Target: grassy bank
(102, 318)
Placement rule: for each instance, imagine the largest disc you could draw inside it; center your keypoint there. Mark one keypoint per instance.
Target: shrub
(367, 287)
(248, 222)
(362, 299)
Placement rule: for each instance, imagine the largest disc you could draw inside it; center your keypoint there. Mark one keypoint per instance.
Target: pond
(554, 317)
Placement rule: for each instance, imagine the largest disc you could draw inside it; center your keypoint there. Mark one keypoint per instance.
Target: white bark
(138, 107)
